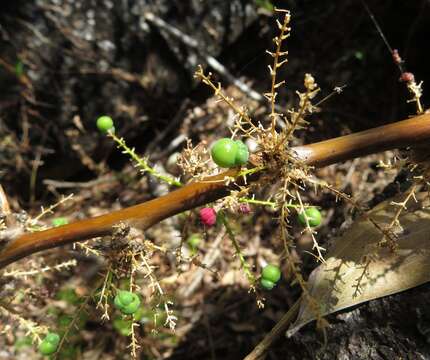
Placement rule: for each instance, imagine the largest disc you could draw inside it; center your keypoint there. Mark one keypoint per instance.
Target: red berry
(407, 77)
(208, 216)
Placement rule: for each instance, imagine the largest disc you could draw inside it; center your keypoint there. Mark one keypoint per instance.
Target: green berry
(224, 153)
(47, 348)
(125, 297)
(59, 221)
(242, 154)
(194, 240)
(312, 214)
(105, 123)
(267, 284)
(271, 273)
(131, 308)
(52, 338)
(127, 302)
(49, 344)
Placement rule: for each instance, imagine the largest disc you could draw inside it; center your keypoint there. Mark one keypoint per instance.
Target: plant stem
(397, 135)
(280, 327)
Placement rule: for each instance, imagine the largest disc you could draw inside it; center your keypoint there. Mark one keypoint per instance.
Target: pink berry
(244, 208)
(208, 216)
(407, 77)
(396, 57)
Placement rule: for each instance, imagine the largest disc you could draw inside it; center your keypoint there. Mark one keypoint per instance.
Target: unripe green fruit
(224, 153)
(242, 154)
(271, 273)
(127, 302)
(124, 297)
(312, 214)
(52, 338)
(131, 308)
(47, 348)
(194, 240)
(49, 344)
(105, 123)
(228, 153)
(267, 284)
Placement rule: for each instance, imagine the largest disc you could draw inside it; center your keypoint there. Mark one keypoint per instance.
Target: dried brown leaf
(357, 270)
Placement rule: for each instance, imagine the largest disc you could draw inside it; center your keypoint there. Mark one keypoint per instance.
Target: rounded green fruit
(131, 308)
(47, 348)
(224, 153)
(49, 344)
(271, 272)
(242, 154)
(105, 123)
(312, 214)
(127, 302)
(52, 338)
(267, 284)
(124, 298)
(194, 240)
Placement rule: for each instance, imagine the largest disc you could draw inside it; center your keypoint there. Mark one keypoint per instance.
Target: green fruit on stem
(224, 153)
(124, 297)
(194, 240)
(272, 273)
(49, 344)
(47, 348)
(132, 308)
(242, 154)
(52, 338)
(228, 153)
(267, 284)
(312, 214)
(127, 302)
(105, 123)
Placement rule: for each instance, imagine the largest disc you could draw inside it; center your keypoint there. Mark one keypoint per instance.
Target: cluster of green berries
(49, 344)
(229, 153)
(313, 216)
(270, 276)
(105, 124)
(127, 302)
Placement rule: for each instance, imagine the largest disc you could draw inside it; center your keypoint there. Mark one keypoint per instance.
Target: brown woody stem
(401, 134)
(397, 135)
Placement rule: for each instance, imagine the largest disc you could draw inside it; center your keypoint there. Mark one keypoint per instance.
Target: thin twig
(281, 326)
